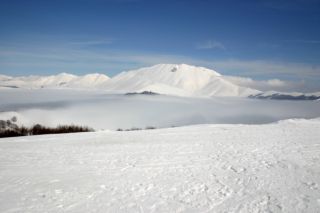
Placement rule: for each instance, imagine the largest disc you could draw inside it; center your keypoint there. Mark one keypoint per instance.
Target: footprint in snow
(311, 185)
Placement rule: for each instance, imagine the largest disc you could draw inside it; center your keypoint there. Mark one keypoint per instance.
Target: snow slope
(205, 168)
(54, 81)
(182, 79)
(4, 77)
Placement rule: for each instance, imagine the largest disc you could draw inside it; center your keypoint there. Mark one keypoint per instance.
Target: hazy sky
(259, 39)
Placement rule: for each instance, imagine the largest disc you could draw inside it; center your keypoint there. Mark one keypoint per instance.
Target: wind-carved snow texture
(205, 168)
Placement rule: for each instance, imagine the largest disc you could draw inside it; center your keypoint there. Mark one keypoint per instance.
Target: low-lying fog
(100, 110)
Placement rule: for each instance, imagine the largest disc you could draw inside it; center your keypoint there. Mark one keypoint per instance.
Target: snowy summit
(176, 79)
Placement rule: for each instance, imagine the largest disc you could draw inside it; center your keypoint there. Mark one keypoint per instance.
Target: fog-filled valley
(100, 110)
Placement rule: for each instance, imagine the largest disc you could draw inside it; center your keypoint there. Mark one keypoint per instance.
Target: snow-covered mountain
(88, 81)
(168, 79)
(64, 80)
(4, 77)
(173, 79)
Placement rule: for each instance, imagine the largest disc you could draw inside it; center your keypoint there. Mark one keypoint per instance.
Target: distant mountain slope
(4, 77)
(287, 96)
(88, 81)
(54, 81)
(173, 79)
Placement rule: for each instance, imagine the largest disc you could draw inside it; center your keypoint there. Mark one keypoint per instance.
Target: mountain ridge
(168, 79)
(64, 80)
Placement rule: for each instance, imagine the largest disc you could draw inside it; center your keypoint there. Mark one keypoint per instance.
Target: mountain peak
(175, 79)
(182, 68)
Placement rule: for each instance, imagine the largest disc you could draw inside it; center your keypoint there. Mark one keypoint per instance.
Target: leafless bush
(38, 129)
(150, 127)
(136, 129)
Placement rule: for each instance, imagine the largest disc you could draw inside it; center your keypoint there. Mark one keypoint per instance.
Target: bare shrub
(40, 130)
(12, 130)
(135, 129)
(150, 127)
(14, 119)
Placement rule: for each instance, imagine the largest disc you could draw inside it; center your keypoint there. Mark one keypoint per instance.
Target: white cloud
(92, 42)
(65, 58)
(267, 85)
(210, 45)
(60, 56)
(260, 67)
(304, 41)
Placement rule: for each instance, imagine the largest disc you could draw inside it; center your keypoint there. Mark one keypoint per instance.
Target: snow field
(205, 168)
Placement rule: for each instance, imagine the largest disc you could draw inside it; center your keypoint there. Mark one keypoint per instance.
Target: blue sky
(259, 39)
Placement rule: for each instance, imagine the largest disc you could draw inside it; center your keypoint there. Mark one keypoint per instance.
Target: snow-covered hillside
(63, 80)
(205, 168)
(174, 79)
